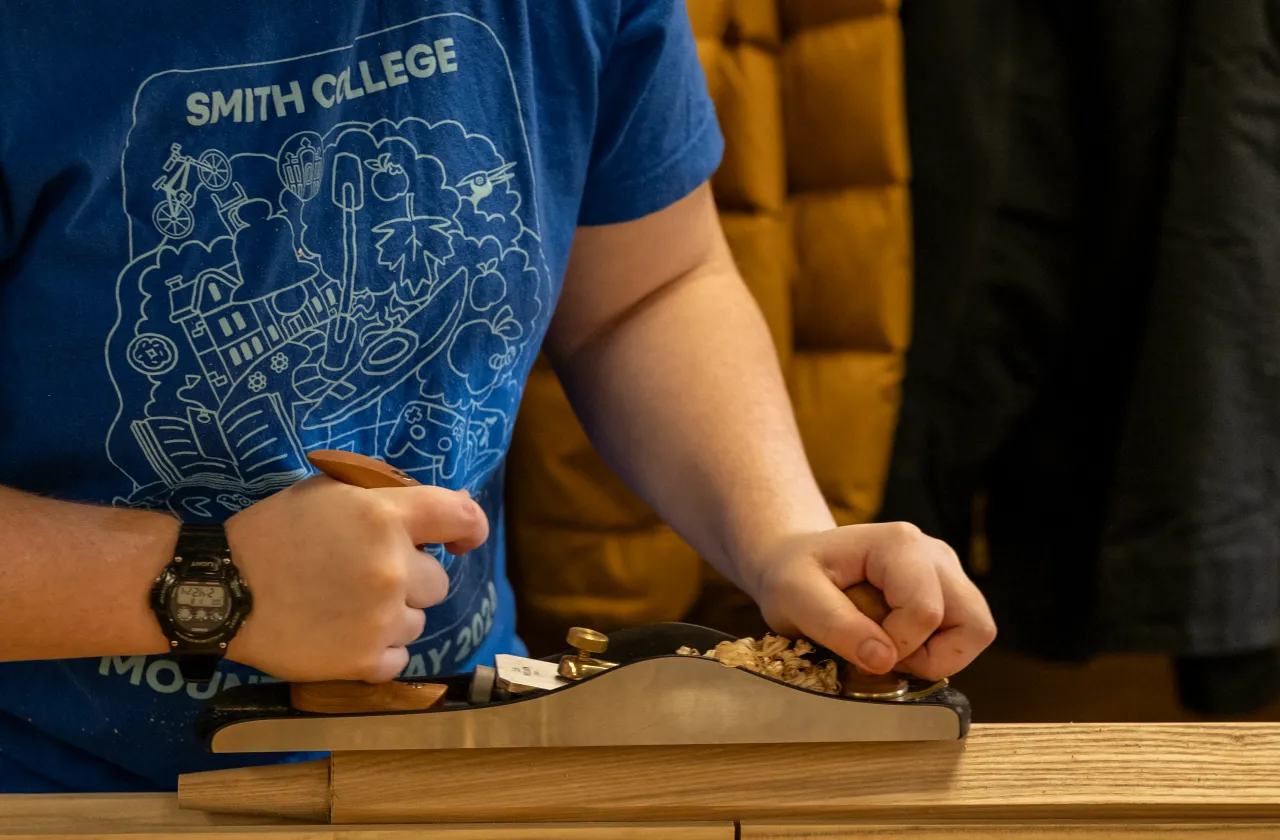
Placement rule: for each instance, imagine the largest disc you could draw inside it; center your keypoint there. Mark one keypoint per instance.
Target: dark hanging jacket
(1096, 356)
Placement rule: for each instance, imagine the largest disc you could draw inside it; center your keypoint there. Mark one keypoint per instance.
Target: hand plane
(634, 687)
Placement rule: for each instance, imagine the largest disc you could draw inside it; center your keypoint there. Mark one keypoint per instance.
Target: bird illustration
(478, 186)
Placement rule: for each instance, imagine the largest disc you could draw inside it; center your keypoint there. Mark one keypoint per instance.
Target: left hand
(939, 620)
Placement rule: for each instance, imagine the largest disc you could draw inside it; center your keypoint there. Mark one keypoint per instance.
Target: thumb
(433, 514)
(834, 622)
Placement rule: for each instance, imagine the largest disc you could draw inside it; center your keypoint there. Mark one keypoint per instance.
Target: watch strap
(201, 552)
(200, 540)
(197, 667)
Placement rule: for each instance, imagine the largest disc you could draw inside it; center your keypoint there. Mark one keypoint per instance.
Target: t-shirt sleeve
(657, 136)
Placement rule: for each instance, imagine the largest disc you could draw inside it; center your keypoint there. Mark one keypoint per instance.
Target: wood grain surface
(109, 813)
(351, 697)
(1005, 773)
(155, 816)
(298, 790)
(619, 831)
(998, 831)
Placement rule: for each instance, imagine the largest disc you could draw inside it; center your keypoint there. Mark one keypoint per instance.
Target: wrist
(759, 547)
(142, 543)
(245, 532)
(79, 575)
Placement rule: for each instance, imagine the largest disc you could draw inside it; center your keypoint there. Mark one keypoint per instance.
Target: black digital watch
(200, 600)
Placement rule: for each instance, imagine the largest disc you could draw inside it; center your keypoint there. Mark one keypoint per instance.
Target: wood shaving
(776, 657)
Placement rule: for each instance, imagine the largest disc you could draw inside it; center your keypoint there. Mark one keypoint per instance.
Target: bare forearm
(74, 578)
(685, 400)
(669, 365)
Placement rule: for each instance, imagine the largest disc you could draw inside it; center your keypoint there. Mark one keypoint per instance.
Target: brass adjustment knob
(587, 641)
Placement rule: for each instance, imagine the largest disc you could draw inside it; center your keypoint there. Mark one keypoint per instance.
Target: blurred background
(1021, 262)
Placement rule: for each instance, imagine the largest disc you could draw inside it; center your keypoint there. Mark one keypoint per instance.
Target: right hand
(339, 584)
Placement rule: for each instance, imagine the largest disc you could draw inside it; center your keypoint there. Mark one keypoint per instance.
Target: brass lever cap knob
(590, 641)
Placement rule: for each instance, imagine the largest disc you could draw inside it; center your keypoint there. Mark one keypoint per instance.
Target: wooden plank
(708, 831)
(1008, 831)
(1003, 773)
(108, 812)
(298, 790)
(156, 816)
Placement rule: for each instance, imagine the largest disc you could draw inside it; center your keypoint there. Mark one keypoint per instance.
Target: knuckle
(419, 623)
(438, 589)
(381, 665)
(943, 547)
(364, 667)
(378, 516)
(929, 613)
(905, 532)
(365, 642)
(389, 628)
(946, 552)
(389, 578)
(373, 670)
(986, 631)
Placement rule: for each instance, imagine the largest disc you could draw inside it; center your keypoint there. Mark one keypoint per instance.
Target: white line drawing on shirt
(398, 321)
(172, 215)
(426, 19)
(394, 264)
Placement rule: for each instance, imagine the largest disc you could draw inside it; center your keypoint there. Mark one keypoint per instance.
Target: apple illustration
(482, 350)
(489, 287)
(390, 181)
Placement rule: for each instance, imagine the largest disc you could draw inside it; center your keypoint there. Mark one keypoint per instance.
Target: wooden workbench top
(157, 817)
(1084, 782)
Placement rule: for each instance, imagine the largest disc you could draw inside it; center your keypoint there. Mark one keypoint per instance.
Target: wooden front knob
(869, 600)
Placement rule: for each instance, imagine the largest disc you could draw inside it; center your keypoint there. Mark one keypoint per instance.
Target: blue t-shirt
(233, 232)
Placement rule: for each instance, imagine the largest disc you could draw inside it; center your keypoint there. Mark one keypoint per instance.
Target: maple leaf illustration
(413, 247)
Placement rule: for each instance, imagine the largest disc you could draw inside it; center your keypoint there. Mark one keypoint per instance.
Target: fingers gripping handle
(339, 696)
(871, 602)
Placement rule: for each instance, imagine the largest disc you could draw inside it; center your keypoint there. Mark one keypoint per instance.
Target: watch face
(199, 608)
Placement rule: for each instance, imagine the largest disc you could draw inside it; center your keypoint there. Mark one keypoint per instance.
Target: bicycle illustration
(172, 216)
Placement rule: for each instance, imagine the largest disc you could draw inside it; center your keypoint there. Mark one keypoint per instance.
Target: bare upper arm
(613, 269)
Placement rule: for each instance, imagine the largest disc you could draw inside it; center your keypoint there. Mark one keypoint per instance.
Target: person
(235, 233)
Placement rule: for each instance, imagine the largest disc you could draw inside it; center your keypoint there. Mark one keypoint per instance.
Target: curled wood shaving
(776, 657)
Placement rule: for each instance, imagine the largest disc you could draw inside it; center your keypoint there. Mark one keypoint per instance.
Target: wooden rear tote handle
(359, 470)
(339, 697)
(352, 696)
